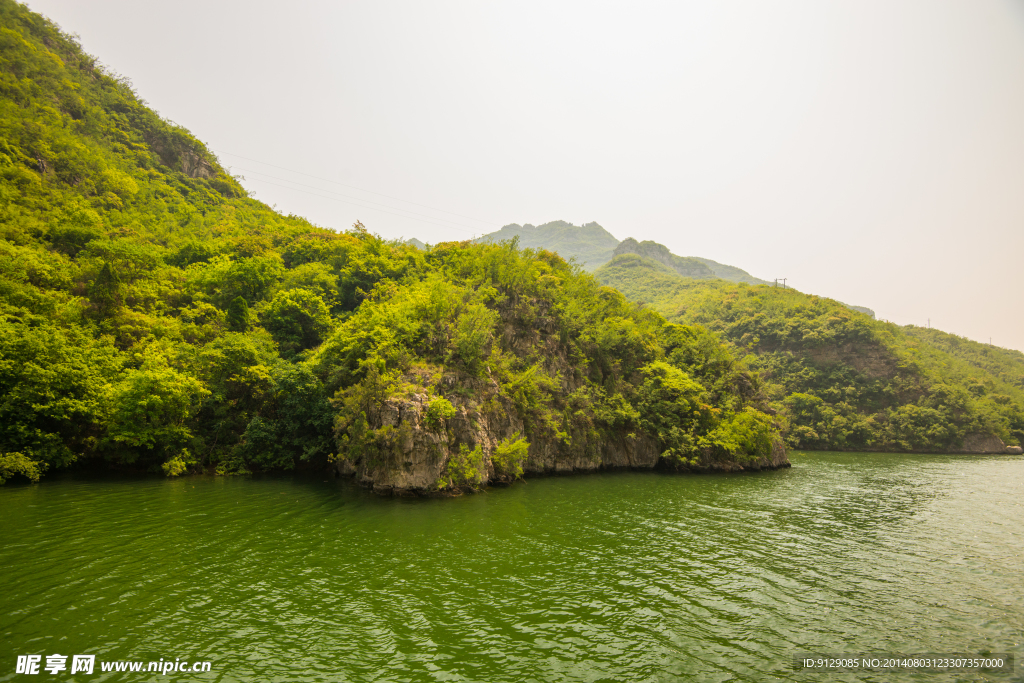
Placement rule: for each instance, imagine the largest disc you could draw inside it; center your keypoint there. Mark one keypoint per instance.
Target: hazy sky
(868, 151)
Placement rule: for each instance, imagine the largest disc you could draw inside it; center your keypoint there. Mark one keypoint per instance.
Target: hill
(686, 267)
(154, 317)
(589, 244)
(843, 380)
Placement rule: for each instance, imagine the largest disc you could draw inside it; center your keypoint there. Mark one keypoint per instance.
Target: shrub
(437, 410)
(298, 320)
(16, 463)
(510, 456)
(179, 464)
(465, 469)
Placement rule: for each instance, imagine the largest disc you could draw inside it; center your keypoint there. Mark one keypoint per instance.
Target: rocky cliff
(464, 451)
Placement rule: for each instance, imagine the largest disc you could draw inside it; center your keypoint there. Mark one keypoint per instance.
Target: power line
(342, 201)
(359, 199)
(353, 187)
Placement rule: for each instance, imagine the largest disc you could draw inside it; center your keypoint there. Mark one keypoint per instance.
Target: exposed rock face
(982, 443)
(419, 454)
(195, 166)
(180, 156)
(873, 360)
(985, 444)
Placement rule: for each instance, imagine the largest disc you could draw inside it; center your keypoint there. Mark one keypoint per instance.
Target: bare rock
(981, 443)
(415, 458)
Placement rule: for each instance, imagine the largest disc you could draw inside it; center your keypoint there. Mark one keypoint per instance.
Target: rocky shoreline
(417, 460)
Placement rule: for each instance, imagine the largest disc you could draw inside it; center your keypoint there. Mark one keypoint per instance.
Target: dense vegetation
(842, 379)
(154, 316)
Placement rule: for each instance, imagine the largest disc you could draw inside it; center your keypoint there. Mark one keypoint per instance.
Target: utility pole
(929, 323)
(783, 282)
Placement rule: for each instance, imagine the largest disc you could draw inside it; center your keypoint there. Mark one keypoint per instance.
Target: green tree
(12, 464)
(151, 409)
(106, 292)
(238, 315)
(298, 320)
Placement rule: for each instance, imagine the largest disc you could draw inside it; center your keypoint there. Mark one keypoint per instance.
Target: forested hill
(154, 317)
(842, 379)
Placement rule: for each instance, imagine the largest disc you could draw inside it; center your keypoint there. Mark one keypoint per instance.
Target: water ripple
(617, 577)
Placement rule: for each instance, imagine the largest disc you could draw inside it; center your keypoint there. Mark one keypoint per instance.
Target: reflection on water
(606, 577)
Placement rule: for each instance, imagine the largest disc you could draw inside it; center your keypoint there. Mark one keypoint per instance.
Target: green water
(606, 577)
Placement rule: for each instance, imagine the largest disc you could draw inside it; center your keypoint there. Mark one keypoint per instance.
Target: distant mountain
(590, 244)
(413, 242)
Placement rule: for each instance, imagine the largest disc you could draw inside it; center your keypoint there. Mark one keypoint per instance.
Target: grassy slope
(844, 379)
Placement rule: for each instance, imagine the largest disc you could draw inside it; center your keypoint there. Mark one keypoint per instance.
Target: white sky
(871, 151)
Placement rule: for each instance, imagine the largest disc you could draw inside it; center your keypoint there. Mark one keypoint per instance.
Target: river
(623, 576)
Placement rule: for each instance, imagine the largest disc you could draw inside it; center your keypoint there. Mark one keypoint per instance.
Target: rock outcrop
(982, 444)
(416, 460)
(179, 152)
